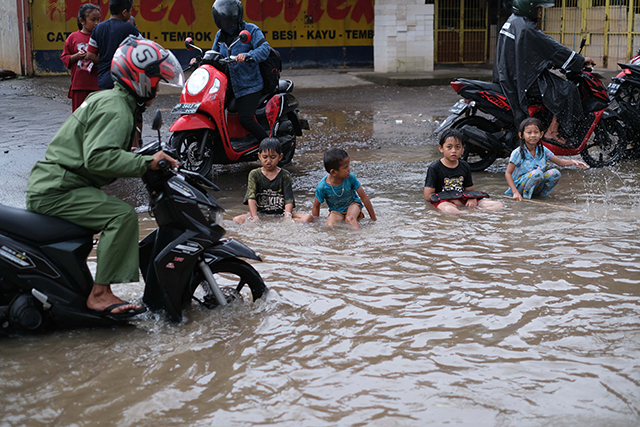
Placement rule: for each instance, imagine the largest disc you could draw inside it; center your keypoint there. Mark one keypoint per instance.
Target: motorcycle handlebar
(163, 164)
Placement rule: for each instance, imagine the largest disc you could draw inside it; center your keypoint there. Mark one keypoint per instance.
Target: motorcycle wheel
(607, 145)
(187, 146)
(478, 158)
(236, 279)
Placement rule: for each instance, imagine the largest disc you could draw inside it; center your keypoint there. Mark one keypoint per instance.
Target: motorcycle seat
(284, 86)
(38, 228)
(493, 87)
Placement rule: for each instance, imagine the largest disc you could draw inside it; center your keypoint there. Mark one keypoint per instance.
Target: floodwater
(528, 316)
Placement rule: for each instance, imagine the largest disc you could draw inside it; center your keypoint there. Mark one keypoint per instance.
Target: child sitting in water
(525, 173)
(269, 190)
(342, 191)
(448, 185)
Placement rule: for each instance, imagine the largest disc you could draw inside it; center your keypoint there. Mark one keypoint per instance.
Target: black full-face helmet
(227, 13)
(529, 8)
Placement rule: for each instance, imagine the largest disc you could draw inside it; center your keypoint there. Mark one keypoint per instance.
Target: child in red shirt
(84, 78)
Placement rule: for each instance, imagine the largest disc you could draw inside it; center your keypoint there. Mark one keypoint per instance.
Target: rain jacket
(92, 149)
(523, 56)
(245, 77)
(93, 146)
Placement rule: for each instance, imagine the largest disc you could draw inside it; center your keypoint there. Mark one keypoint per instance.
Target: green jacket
(93, 146)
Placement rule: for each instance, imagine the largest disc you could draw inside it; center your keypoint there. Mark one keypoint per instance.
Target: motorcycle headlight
(212, 215)
(197, 81)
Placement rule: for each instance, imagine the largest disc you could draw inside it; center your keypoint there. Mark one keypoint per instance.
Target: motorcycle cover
(523, 57)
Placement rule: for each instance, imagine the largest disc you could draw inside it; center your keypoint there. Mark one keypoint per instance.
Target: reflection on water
(528, 316)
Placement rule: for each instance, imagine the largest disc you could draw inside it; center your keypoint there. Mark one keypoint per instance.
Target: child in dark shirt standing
(106, 38)
(270, 190)
(342, 191)
(84, 76)
(448, 185)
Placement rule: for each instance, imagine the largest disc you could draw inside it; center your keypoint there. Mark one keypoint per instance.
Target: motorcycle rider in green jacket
(92, 149)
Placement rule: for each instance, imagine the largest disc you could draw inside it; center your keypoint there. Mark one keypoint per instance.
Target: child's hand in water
(517, 196)
(579, 164)
(471, 203)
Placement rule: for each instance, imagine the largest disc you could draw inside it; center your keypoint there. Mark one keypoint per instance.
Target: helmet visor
(171, 71)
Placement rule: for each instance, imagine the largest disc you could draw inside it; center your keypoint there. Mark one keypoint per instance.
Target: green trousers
(92, 208)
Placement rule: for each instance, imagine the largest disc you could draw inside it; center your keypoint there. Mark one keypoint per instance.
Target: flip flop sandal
(108, 312)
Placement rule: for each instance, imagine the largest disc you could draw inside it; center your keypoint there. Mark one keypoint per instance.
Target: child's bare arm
(428, 191)
(288, 210)
(253, 209)
(315, 211)
(93, 57)
(367, 203)
(568, 162)
(512, 185)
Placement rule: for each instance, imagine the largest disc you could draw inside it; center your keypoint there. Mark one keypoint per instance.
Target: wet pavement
(525, 317)
(34, 108)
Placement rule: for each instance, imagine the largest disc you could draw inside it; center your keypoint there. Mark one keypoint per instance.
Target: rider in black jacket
(523, 57)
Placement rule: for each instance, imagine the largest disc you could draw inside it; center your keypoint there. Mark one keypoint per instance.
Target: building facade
(398, 36)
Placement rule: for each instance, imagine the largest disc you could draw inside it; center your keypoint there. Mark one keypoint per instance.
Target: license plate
(186, 108)
(458, 107)
(612, 89)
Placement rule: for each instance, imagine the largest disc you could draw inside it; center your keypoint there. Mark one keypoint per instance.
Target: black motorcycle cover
(523, 57)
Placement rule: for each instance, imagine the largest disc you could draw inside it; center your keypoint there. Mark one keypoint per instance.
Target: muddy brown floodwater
(529, 316)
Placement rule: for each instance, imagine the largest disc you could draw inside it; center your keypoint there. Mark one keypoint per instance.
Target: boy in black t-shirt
(270, 190)
(448, 184)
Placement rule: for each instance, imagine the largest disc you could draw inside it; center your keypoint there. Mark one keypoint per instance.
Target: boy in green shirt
(269, 190)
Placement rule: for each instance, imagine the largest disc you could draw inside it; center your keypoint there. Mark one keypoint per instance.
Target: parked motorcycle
(208, 131)
(625, 91)
(600, 138)
(45, 280)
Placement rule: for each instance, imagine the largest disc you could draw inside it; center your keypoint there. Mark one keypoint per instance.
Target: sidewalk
(346, 77)
(326, 78)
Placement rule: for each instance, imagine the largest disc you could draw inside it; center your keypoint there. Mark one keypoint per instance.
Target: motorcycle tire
(232, 275)
(187, 146)
(478, 158)
(607, 145)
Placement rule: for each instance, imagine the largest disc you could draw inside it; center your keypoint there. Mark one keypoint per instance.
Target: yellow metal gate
(461, 31)
(612, 28)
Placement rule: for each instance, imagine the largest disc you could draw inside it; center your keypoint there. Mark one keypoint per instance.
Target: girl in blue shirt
(526, 173)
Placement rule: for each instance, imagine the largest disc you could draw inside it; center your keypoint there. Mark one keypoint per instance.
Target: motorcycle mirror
(583, 42)
(157, 123)
(188, 43)
(157, 120)
(245, 36)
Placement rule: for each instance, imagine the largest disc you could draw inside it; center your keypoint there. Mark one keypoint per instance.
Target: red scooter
(208, 131)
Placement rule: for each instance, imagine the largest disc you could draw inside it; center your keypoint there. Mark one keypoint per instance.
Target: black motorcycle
(45, 280)
(625, 91)
(599, 138)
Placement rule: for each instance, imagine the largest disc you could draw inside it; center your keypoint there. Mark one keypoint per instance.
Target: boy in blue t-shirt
(342, 191)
